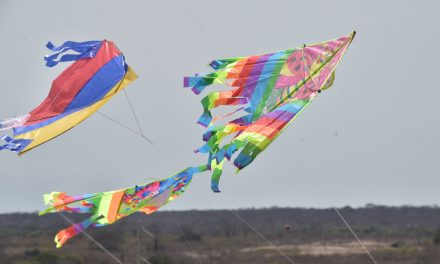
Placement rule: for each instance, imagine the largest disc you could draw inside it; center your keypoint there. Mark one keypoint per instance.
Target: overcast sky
(372, 138)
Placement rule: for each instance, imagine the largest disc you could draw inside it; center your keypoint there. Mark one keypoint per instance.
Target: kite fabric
(108, 207)
(272, 89)
(98, 72)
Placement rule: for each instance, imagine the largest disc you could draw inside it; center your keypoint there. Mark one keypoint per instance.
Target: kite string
(206, 32)
(118, 123)
(179, 228)
(338, 212)
(263, 237)
(316, 183)
(136, 117)
(92, 239)
(140, 134)
(354, 234)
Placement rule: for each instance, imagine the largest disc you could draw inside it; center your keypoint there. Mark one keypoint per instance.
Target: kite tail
(214, 135)
(247, 155)
(59, 202)
(216, 99)
(218, 158)
(87, 49)
(62, 236)
(199, 83)
(223, 63)
(217, 169)
(14, 145)
(12, 122)
(251, 139)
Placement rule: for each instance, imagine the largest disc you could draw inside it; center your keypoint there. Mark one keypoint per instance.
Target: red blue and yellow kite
(98, 73)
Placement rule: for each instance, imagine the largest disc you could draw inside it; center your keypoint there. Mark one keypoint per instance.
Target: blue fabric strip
(100, 84)
(205, 118)
(14, 145)
(86, 49)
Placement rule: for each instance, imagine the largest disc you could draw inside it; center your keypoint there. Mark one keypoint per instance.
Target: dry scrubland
(407, 235)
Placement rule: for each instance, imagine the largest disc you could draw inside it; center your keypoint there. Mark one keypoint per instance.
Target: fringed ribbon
(12, 122)
(87, 49)
(14, 145)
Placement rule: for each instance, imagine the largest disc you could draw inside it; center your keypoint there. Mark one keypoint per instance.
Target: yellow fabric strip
(103, 208)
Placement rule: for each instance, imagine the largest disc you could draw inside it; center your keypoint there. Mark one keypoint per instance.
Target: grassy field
(407, 235)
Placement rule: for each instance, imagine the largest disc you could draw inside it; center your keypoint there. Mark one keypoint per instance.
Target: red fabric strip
(66, 86)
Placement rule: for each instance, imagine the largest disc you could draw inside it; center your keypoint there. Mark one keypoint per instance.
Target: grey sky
(372, 138)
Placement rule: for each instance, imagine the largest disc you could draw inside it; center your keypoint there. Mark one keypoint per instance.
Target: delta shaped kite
(272, 89)
(98, 73)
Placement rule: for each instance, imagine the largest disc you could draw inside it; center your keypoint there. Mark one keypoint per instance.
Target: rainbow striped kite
(272, 89)
(98, 73)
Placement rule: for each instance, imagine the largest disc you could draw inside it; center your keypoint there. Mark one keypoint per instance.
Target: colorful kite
(98, 73)
(108, 207)
(272, 89)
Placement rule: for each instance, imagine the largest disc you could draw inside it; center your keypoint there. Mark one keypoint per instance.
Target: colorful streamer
(108, 207)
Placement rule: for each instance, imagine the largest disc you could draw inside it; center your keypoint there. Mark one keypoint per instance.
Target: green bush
(160, 259)
(436, 239)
